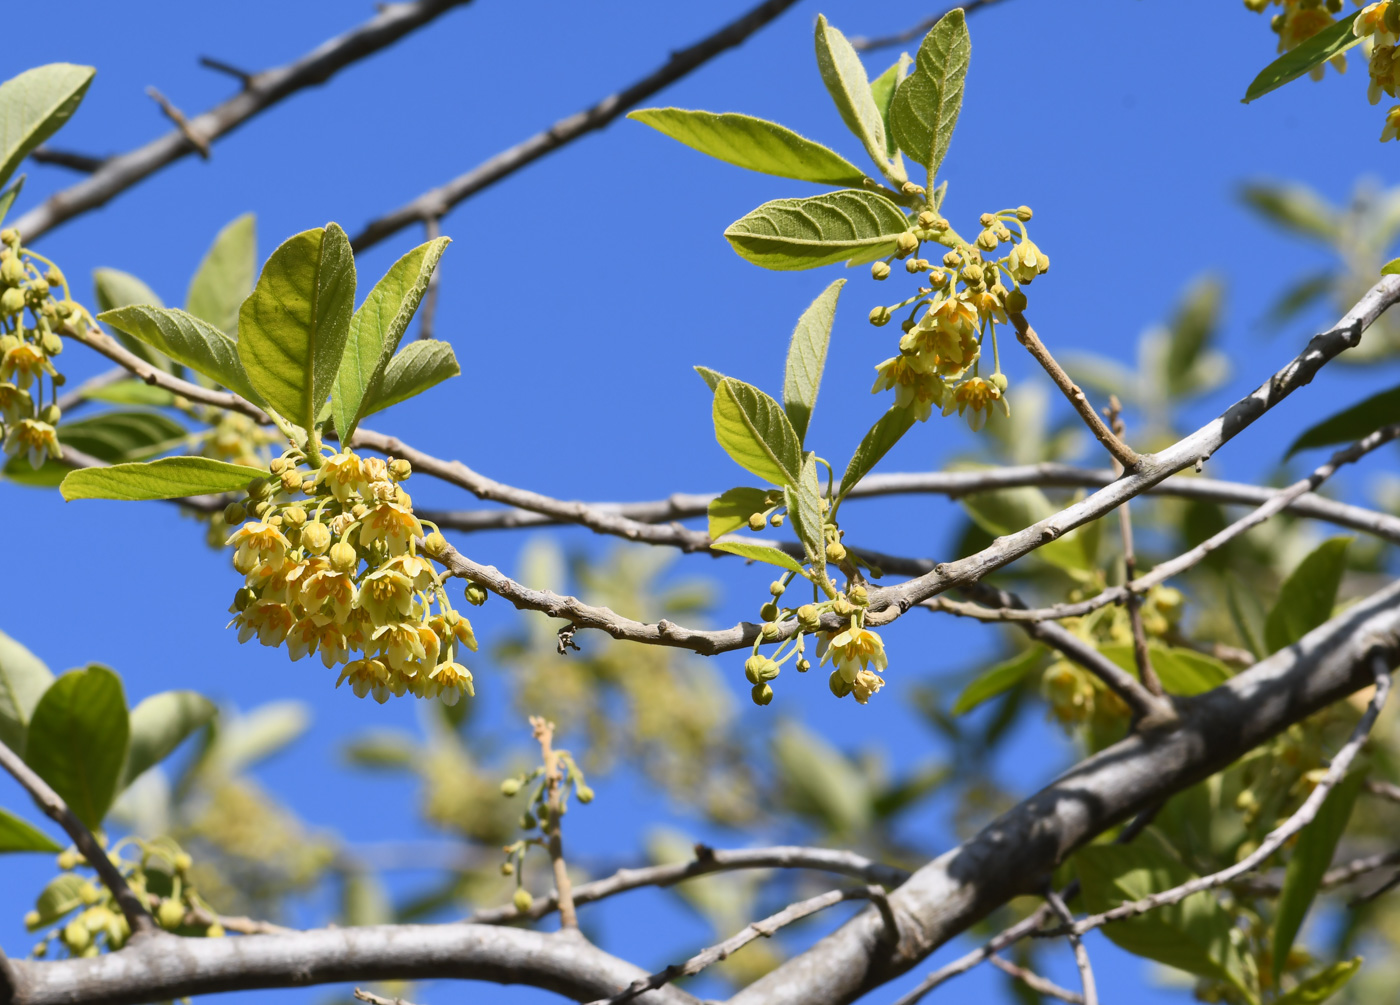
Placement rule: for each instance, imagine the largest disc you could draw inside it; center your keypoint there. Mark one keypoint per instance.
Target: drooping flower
(912, 387)
(343, 473)
(366, 676)
(1027, 261)
(386, 594)
(973, 398)
(269, 620)
(38, 439)
(1392, 124)
(324, 590)
(854, 649)
(452, 680)
(258, 544)
(23, 363)
(15, 404)
(391, 522)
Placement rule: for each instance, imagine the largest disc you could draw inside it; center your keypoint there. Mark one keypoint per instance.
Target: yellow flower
(911, 387)
(974, 397)
(1027, 261)
(324, 588)
(14, 403)
(270, 620)
(1392, 124)
(853, 650)
(317, 632)
(23, 363)
(989, 304)
(1384, 71)
(418, 570)
(386, 594)
(258, 544)
(945, 339)
(366, 676)
(36, 438)
(1371, 21)
(399, 644)
(451, 681)
(343, 473)
(357, 627)
(394, 523)
(866, 683)
(452, 627)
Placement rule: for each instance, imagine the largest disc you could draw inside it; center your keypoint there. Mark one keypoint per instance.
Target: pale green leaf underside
(78, 740)
(23, 680)
(882, 89)
(167, 478)
(876, 443)
(732, 509)
(159, 724)
(225, 276)
(188, 340)
(806, 358)
(926, 104)
(788, 234)
(34, 105)
(753, 430)
(375, 331)
(845, 79)
(755, 144)
(804, 510)
(8, 197)
(759, 553)
(423, 364)
(20, 835)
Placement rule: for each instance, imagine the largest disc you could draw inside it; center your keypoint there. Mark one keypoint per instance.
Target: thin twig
(1272, 886)
(1385, 790)
(1122, 453)
(722, 951)
(1034, 981)
(554, 830)
(1384, 888)
(428, 311)
(1081, 955)
(863, 44)
(137, 914)
(181, 123)
(70, 159)
(242, 76)
(436, 202)
(1141, 657)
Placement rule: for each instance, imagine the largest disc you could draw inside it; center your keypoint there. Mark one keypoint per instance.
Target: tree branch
(435, 203)
(863, 44)
(261, 91)
(1081, 955)
(1034, 981)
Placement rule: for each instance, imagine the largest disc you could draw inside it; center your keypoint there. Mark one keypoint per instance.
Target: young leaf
(34, 105)
(78, 739)
(732, 509)
(1307, 596)
(375, 331)
(167, 478)
(111, 436)
(806, 358)
(844, 76)
(1361, 419)
(1390, 268)
(1294, 207)
(998, 680)
(23, 681)
(876, 443)
(1322, 986)
(20, 835)
(188, 340)
(256, 736)
(754, 431)
(225, 276)
(752, 143)
(293, 327)
(1193, 935)
(161, 723)
(926, 105)
(113, 288)
(1331, 41)
(1192, 328)
(820, 782)
(804, 510)
(882, 90)
(759, 553)
(1311, 856)
(1005, 511)
(788, 234)
(8, 197)
(710, 377)
(1182, 671)
(424, 363)
(132, 392)
(64, 892)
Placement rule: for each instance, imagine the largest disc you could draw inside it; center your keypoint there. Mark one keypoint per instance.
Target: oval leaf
(926, 105)
(753, 430)
(876, 443)
(845, 79)
(161, 723)
(188, 340)
(167, 478)
(23, 681)
(112, 437)
(1331, 41)
(759, 553)
(788, 234)
(1350, 424)
(78, 739)
(63, 893)
(248, 739)
(752, 143)
(423, 364)
(292, 329)
(225, 276)
(731, 510)
(20, 835)
(375, 331)
(804, 510)
(34, 105)
(1307, 596)
(113, 288)
(882, 89)
(1321, 986)
(998, 680)
(806, 358)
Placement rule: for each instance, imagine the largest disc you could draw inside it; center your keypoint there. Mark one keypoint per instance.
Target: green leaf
(20, 835)
(882, 89)
(926, 105)
(759, 553)
(732, 509)
(424, 363)
(788, 234)
(23, 680)
(8, 197)
(1006, 511)
(844, 76)
(245, 740)
(112, 289)
(78, 739)
(292, 329)
(753, 430)
(1312, 854)
(756, 144)
(225, 276)
(806, 358)
(1331, 41)
(111, 437)
(1192, 329)
(34, 105)
(1390, 268)
(1294, 207)
(364, 900)
(161, 723)
(876, 443)
(384, 748)
(1307, 596)
(1353, 423)
(375, 331)
(188, 340)
(167, 478)
(1182, 671)
(1193, 935)
(1321, 986)
(133, 392)
(998, 680)
(820, 782)
(710, 377)
(805, 512)
(63, 894)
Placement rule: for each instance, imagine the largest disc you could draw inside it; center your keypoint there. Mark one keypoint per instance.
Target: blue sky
(579, 292)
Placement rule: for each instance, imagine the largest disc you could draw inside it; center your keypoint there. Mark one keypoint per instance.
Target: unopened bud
(316, 536)
(776, 519)
(768, 612)
(344, 558)
(927, 219)
(858, 595)
(838, 684)
(879, 316)
(809, 618)
(400, 469)
(476, 594)
(510, 787)
(507, 868)
(214, 931)
(756, 521)
(803, 664)
(761, 694)
(257, 488)
(937, 279)
(753, 667)
(294, 516)
(50, 414)
(972, 274)
(183, 862)
(39, 288)
(835, 551)
(952, 260)
(291, 480)
(777, 588)
(234, 513)
(998, 380)
(243, 598)
(278, 465)
(523, 901)
(1015, 301)
(76, 936)
(987, 240)
(1023, 213)
(9, 236)
(33, 920)
(12, 300)
(913, 265)
(170, 914)
(12, 272)
(771, 630)
(878, 270)
(68, 860)
(906, 244)
(585, 794)
(434, 545)
(842, 607)
(51, 343)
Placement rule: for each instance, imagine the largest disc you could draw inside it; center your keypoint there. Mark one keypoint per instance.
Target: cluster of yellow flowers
(339, 572)
(850, 651)
(27, 349)
(962, 297)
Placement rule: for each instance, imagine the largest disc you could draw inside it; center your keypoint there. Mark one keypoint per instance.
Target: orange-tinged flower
(911, 386)
(1392, 124)
(418, 570)
(366, 676)
(452, 627)
(399, 644)
(14, 403)
(973, 398)
(24, 362)
(38, 439)
(318, 632)
(269, 620)
(395, 524)
(387, 595)
(258, 544)
(451, 680)
(853, 650)
(343, 473)
(326, 591)
(866, 683)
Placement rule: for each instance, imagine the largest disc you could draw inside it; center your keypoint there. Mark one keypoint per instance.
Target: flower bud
(294, 516)
(12, 272)
(242, 599)
(803, 664)
(835, 551)
(170, 914)
(838, 684)
(937, 279)
(752, 666)
(909, 188)
(858, 595)
(510, 787)
(998, 380)
(50, 414)
(756, 521)
(523, 901)
(476, 594)
(400, 469)
(1023, 213)
(1015, 301)
(952, 259)
(257, 488)
(987, 240)
(183, 862)
(344, 558)
(234, 513)
(906, 244)
(12, 300)
(809, 618)
(761, 694)
(32, 920)
(585, 794)
(507, 868)
(777, 588)
(771, 630)
(290, 480)
(278, 465)
(927, 219)
(214, 931)
(39, 288)
(878, 270)
(776, 519)
(768, 612)
(842, 607)
(76, 936)
(68, 860)
(434, 545)
(316, 537)
(972, 274)
(9, 236)
(879, 316)
(51, 343)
